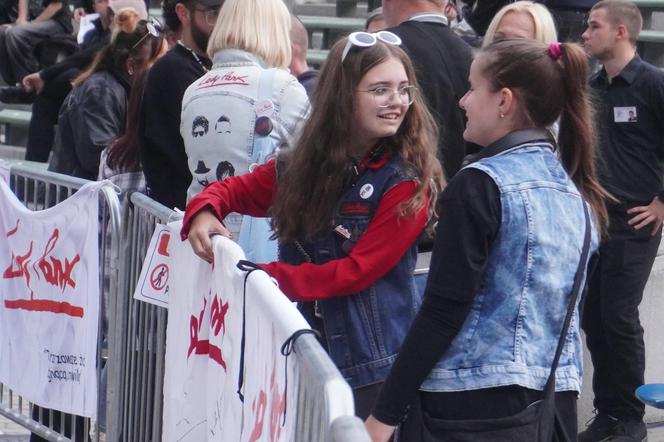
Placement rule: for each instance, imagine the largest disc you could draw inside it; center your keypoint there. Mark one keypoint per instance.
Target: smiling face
(515, 24)
(482, 107)
(372, 122)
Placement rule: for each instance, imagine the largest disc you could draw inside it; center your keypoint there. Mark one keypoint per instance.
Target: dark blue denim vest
(363, 331)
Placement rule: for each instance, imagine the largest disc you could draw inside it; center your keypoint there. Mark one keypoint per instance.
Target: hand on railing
(204, 225)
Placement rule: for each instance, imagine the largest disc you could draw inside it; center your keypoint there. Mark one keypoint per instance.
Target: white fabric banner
(49, 300)
(5, 170)
(205, 396)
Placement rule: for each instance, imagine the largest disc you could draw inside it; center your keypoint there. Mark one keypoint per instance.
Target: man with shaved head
(629, 106)
(299, 44)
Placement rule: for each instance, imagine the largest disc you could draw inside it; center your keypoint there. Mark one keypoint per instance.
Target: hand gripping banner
(227, 378)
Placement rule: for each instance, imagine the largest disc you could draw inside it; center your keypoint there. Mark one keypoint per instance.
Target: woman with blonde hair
(245, 108)
(522, 19)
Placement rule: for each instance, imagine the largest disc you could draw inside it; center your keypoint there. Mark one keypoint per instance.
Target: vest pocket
(369, 329)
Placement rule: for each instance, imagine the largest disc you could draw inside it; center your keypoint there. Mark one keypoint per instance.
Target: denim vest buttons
(510, 335)
(363, 331)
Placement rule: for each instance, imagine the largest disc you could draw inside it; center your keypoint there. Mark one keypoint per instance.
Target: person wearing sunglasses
(161, 146)
(93, 114)
(348, 203)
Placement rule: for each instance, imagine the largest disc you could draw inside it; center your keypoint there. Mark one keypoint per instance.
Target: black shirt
(442, 63)
(630, 114)
(470, 218)
(163, 157)
(309, 80)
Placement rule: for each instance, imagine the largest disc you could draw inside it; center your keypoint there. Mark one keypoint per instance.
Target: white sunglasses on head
(367, 39)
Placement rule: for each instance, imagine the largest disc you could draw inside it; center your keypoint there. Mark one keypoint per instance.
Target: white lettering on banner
(153, 283)
(203, 398)
(49, 300)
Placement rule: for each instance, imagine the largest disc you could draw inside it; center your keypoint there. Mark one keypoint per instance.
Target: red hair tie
(555, 51)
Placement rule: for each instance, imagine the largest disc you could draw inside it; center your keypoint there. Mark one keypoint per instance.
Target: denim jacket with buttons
(220, 118)
(364, 331)
(511, 332)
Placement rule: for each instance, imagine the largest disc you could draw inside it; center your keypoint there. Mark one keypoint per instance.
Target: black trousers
(45, 111)
(611, 317)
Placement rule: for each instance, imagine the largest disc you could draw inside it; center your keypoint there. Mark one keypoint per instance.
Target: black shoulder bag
(537, 423)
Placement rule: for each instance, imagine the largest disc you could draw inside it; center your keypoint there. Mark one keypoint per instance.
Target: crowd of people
(529, 165)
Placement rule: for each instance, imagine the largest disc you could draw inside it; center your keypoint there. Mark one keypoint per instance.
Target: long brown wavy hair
(549, 89)
(314, 175)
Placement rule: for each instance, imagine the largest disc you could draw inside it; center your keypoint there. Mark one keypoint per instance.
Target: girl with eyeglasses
(93, 114)
(517, 226)
(348, 203)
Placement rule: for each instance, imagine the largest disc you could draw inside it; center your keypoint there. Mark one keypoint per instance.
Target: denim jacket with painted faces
(511, 333)
(363, 332)
(227, 109)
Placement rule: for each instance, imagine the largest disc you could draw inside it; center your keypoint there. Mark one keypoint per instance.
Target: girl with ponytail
(508, 245)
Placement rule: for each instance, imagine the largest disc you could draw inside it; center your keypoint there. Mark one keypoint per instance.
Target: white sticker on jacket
(366, 191)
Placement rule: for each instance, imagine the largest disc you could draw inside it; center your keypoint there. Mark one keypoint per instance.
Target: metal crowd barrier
(325, 401)
(325, 408)
(137, 336)
(139, 331)
(39, 189)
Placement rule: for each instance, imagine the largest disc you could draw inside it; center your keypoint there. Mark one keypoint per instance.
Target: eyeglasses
(154, 29)
(366, 39)
(210, 14)
(383, 95)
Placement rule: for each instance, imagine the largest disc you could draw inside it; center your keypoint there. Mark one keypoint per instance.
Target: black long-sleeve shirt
(470, 218)
(163, 156)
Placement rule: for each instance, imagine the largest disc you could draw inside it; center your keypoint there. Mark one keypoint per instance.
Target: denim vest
(511, 332)
(363, 331)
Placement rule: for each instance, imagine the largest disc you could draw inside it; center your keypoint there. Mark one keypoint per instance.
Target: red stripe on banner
(215, 355)
(202, 347)
(44, 305)
(14, 230)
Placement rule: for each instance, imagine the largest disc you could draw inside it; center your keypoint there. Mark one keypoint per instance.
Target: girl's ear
(507, 103)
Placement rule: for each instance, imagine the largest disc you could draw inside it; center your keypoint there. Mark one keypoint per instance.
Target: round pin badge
(263, 126)
(366, 191)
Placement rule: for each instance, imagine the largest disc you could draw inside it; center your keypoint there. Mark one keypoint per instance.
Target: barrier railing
(38, 190)
(325, 401)
(139, 331)
(137, 336)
